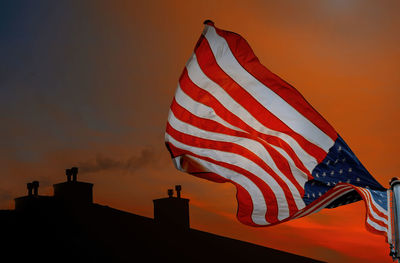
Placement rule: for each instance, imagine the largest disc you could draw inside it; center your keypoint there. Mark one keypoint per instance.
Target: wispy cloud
(102, 162)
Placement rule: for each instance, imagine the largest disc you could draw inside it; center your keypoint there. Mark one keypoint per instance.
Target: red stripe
(367, 209)
(379, 213)
(245, 204)
(368, 215)
(338, 192)
(207, 99)
(237, 149)
(209, 66)
(371, 229)
(316, 204)
(213, 126)
(248, 60)
(269, 197)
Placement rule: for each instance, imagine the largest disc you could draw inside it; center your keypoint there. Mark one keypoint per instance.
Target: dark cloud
(103, 163)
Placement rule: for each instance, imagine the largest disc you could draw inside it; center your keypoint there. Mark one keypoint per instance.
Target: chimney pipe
(170, 193)
(30, 187)
(178, 189)
(68, 173)
(74, 171)
(35, 185)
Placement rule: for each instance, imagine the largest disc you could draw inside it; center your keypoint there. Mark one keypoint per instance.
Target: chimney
(68, 173)
(178, 189)
(74, 171)
(32, 202)
(35, 185)
(30, 187)
(172, 212)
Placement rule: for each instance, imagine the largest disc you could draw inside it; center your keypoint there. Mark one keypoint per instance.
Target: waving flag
(233, 120)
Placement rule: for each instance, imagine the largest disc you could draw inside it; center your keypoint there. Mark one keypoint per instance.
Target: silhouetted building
(69, 227)
(172, 211)
(73, 192)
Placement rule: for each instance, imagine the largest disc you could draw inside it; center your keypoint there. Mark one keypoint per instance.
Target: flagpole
(395, 186)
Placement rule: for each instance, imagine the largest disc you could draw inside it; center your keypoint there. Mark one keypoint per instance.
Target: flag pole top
(394, 181)
(208, 22)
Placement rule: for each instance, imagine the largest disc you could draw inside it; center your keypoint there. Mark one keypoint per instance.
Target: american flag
(233, 120)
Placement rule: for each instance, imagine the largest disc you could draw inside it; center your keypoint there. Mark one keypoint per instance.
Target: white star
(336, 161)
(344, 159)
(350, 170)
(319, 193)
(339, 148)
(313, 195)
(308, 195)
(328, 184)
(328, 162)
(333, 172)
(358, 179)
(323, 174)
(348, 181)
(341, 171)
(339, 181)
(317, 175)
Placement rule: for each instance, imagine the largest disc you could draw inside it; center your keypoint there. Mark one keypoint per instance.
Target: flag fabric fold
(233, 120)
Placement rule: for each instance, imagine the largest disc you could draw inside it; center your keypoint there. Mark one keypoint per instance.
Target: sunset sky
(89, 84)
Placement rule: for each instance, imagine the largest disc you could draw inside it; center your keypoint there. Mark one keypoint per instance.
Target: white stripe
(202, 81)
(203, 111)
(252, 145)
(259, 206)
(378, 206)
(240, 161)
(270, 100)
(369, 206)
(375, 225)
(199, 109)
(323, 199)
(330, 202)
(300, 176)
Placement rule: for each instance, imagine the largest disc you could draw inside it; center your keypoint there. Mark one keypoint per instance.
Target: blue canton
(342, 166)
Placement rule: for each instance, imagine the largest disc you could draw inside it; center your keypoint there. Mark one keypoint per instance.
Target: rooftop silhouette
(69, 227)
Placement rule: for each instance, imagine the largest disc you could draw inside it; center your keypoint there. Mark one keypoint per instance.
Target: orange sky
(90, 85)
